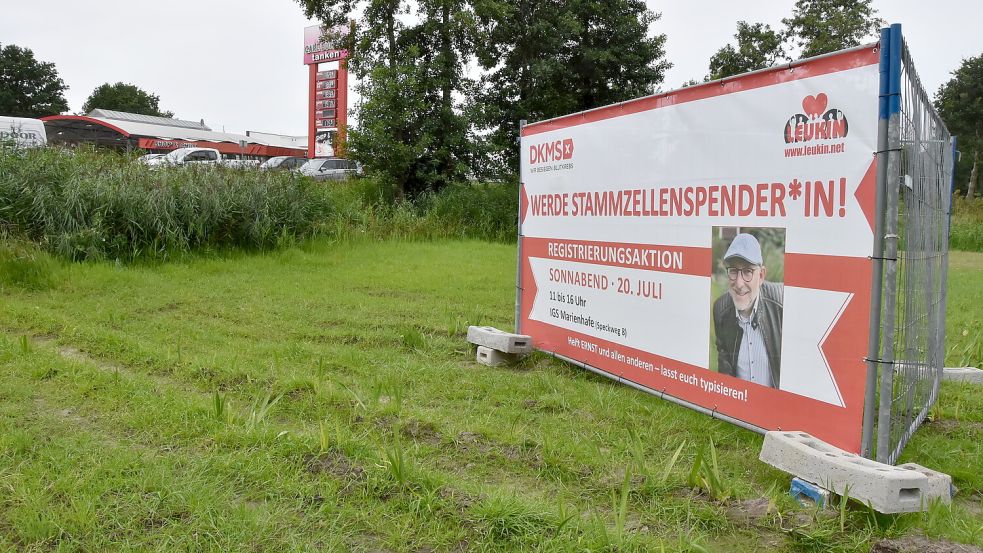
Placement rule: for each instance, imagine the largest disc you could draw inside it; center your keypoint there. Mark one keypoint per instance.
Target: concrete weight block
(886, 488)
(498, 340)
(939, 483)
(494, 358)
(963, 374)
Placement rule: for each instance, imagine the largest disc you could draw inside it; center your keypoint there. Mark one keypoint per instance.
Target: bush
(89, 204)
(483, 211)
(967, 224)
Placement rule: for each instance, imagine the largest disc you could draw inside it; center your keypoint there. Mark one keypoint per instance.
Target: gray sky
(238, 63)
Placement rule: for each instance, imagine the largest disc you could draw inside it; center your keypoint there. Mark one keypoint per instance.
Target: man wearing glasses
(748, 318)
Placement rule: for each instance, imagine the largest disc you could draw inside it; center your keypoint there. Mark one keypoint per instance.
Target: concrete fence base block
(886, 488)
(496, 339)
(494, 358)
(963, 374)
(804, 492)
(939, 483)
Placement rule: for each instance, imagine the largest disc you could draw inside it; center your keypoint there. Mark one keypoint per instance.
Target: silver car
(330, 168)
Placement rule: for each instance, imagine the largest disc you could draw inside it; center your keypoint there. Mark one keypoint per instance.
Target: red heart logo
(814, 106)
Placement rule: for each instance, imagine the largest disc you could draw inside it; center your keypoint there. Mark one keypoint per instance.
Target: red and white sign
(322, 46)
(628, 211)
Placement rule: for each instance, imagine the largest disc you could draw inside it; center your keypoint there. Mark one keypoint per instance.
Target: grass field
(323, 397)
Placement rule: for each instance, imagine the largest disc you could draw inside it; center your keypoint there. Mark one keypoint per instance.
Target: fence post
(877, 271)
(518, 238)
(890, 254)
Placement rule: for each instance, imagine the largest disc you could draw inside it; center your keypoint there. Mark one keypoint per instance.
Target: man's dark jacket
(768, 317)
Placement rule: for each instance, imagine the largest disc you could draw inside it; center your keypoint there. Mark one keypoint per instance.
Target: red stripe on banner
(765, 407)
(845, 343)
(650, 257)
(821, 66)
(866, 193)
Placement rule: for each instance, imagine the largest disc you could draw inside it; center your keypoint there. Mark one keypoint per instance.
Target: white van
(22, 132)
(187, 156)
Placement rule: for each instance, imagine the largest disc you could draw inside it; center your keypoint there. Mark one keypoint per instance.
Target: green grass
(88, 204)
(322, 397)
(91, 204)
(966, 232)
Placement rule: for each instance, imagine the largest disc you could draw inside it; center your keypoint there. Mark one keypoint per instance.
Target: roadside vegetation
(296, 377)
(88, 204)
(322, 396)
(84, 203)
(967, 224)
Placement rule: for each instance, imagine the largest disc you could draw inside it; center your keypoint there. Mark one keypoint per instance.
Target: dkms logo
(556, 150)
(816, 122)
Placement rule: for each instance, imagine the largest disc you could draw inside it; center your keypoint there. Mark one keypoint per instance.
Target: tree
(412, 126)
(758, 46)
(823, 26)
(548, 58)
(29, 88)
(960, 103)
(124, 97)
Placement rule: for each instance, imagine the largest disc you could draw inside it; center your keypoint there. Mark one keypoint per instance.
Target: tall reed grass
(89, 204)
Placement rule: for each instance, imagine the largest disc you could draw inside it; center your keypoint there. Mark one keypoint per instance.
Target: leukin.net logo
(554, 155)
(819, 130)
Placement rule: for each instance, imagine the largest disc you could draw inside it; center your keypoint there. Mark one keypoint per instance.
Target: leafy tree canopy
(412, 124)
(28, 87)
(960, 103)
(815, 27)
(823, 26)
(124, 97)
(758, 46)
(546, 58)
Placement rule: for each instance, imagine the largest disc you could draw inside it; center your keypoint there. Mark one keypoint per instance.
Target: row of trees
(427, 120)
(444, 83)
(814, 28)
(32, 88)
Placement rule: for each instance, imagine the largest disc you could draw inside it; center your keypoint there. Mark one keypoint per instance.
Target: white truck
(22, 132)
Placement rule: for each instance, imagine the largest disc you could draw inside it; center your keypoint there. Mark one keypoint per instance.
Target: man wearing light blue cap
(748, 318)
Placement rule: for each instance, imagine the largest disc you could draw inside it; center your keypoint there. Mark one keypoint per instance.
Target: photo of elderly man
(747, 319)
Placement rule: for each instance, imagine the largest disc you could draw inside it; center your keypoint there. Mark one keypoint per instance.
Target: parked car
(22, 132)
(289, 163)
(147, 157)
(330, 168)
(188, 156)
(241, 163)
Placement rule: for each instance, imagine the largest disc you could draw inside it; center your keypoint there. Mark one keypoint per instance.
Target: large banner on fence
(712, 244)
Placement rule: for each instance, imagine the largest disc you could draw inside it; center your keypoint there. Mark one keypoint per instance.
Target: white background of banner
(735, 138)
(730, 139)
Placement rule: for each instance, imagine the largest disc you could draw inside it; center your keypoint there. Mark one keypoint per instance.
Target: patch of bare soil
(473, 442)
(421, 431)
(750, 512)
(338, 465)
(949, 426)
(921, 544)
(463, 501)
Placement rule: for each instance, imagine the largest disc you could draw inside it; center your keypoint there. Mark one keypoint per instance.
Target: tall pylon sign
(327, 64)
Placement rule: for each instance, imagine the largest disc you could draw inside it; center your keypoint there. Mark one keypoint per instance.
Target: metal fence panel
(915, 251)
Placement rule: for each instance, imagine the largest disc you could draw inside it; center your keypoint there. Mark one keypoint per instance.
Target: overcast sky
(238, 64)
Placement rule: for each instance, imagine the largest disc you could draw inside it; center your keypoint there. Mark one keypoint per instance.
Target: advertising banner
(712, 244)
